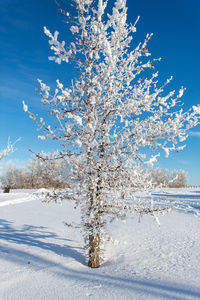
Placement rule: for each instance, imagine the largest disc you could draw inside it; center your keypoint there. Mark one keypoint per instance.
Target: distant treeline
(48, 174)
(37, 174)
(165, 178)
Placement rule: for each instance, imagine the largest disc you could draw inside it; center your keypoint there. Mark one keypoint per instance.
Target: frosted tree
(112, 120)
(164, 178)
(8, 150)
(178, 179)
(45, 173)
(160, 177)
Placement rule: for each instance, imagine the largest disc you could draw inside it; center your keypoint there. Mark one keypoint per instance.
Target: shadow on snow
(187, 197)
(37, 237)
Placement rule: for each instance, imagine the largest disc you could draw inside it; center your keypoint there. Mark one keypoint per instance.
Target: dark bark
(6, 189)
(94, 251)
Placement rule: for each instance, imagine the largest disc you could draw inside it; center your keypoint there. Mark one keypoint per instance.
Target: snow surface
(41, 258)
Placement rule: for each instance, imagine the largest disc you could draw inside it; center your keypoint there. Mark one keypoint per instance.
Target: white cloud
(184, 162)
(195, 133)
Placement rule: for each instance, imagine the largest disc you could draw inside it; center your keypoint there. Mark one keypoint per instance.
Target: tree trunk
(95, 239)
(94, 251)
(95, 199)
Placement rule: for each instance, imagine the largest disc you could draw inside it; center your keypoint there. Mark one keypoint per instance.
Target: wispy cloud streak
(195, 133)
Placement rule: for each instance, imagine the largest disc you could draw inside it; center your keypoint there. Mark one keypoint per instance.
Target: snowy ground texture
(41, 258)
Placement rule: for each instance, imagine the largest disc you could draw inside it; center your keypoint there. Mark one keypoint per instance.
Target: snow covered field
(41, 258)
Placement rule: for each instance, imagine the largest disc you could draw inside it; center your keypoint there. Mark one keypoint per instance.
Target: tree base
(93, 264)
(94, 249)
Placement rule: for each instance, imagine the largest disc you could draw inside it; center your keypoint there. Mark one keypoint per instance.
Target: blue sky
(24, 55)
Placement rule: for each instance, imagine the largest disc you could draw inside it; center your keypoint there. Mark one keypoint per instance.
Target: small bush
(6, 189)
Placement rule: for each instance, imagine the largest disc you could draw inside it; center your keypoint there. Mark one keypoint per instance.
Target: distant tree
(164, 178)
(37, 174)
(14, 178)
(110, 115)
(8, 180)
(46, 173)
(9, 149)
(160, 177)
(178, 179)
